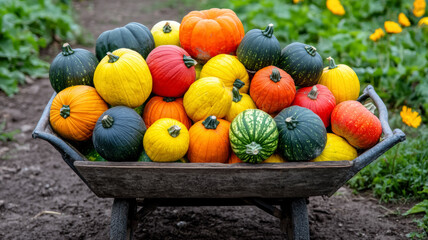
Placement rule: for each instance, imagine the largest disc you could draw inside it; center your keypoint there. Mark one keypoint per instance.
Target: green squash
(259, 49)
(118, 134)
(253, 136)
(302, 135)
(303, 63)
(133, 35)
(72, 67)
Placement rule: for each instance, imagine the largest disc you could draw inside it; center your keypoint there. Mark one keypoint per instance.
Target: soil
(41, 198)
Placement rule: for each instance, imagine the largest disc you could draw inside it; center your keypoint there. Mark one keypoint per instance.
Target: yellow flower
(392, 27)
(335, 7)
(410, 118)
(403, 20)
(377, 34)
(418, 12)
(419, 8)
(423, 21)
(297, 1)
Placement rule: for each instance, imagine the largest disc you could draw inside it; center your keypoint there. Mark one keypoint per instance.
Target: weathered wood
(199, 180)
(295, 222)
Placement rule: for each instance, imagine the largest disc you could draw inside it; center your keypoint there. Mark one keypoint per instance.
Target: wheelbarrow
(143, 186)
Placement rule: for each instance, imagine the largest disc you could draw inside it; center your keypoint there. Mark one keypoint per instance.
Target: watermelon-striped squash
(302, 135)
(253, 136)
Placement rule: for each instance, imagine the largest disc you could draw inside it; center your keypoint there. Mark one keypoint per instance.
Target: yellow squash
(166, 33)
(275, 158)
(166, 140)
(240, 102)
(198, 68)
(205, 97)
(228, 69)
(336, 149)
(341, 80)
(123, 78)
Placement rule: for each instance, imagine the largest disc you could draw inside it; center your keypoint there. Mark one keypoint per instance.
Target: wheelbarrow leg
(123, 221)
(294, 220)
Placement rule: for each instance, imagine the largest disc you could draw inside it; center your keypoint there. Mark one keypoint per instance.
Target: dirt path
(34, 179)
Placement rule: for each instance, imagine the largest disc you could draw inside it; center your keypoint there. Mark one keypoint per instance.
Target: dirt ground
(41, 198)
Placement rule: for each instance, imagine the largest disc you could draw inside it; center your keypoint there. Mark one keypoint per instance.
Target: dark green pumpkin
(259, 49)
(253, 136)
(118, 134)
(303, 63)
(72, 67)
(302, 135)
(133, 35)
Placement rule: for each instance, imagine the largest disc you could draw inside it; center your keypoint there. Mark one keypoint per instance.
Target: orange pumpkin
(205, 34)
(209, 141)
(272, 89)
(165, 107)
(74, 112)
(234, 159)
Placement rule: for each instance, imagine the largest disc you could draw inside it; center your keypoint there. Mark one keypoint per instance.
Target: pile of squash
(203, 90)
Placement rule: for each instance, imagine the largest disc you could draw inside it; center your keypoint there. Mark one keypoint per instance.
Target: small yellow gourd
(166, 33)
(240, 102)
(341, 80)
(205, 97)
(123, 78)
(336, 149)
(166, 140)
(275, 158)
(229, 70)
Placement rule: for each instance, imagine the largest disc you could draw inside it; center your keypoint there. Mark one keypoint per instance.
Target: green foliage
(7, 135)
(25, 27)
(422, 223)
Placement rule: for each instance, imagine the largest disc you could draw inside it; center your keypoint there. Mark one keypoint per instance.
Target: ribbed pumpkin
(275, 158)
(166, 140)
(259, 49)
(341, 80)
(165, 107)
(118, 134)
(123, 78)
(172, 70)
(207, 33)
(72, 67)
(302, 135)
(319, 99)
(240, 102)
(272, 89)
(303, 63)
(209, 141)
(336, 149)
(253, 136)
(358, 125)
(133, 35)
(233, 158)
(228, 69)
(74, 112)
(166, 33)
(205, 97)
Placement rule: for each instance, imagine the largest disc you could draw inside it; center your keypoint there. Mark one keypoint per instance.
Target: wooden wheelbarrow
(143, 186)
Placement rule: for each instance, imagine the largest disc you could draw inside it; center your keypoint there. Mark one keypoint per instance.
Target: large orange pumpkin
(165, 107)
(75, 111)
(205, 34)
(209, 141)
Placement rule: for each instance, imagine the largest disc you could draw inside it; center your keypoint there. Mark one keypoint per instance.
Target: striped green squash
(302, 135)
(253, 136)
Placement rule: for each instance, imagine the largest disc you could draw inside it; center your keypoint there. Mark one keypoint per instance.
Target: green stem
(112, 58)
(253, 148)
(174, 131)
(291, 123)
(188, 61)
(311, 50)
(236, 95)
(107, 121)
(66, 49)
(238, 83)
(211, 122)
(331, 63)
(64, 111)
(268, 32)
(313, 94)
(167, 28)
(276, 75)
(169, 99)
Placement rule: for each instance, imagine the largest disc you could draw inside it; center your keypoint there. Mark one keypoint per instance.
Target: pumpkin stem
(311, 50)
(107, 121)
(112, 58)
(64, 111)
(169, 99)
(331, 63)
(66, 49)
(313, 94)
(174, 131)
(268, 32)
(189, 62)
(371, 107)
(238, 83)
(253, 148)
(211, 122)
(276, 75)
(236, 95)
(167, 28)
(291, 123)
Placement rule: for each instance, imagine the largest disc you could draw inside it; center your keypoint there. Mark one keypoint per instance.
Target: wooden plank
(215, 180)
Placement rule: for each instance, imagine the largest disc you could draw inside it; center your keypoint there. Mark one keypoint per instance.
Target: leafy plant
(421, 207)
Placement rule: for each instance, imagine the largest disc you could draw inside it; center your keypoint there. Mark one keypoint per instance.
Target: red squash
(317, 98)
(172, 69)
(353, 121)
